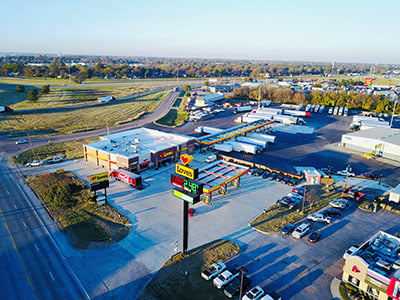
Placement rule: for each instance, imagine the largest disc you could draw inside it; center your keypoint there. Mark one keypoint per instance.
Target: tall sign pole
(186, 189)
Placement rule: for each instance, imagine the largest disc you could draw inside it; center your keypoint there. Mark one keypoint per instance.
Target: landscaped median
(176, 115)
(275, 217)
(180, 278)
(70, 204)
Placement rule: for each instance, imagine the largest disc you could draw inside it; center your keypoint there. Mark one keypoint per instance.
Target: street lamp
(348, 169)
(242, 270)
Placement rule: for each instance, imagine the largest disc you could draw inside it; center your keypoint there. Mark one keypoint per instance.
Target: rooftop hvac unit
(135, 147)
(384, 264)
(136, 140)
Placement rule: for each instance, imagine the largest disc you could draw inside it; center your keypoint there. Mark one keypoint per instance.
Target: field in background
(71, 120)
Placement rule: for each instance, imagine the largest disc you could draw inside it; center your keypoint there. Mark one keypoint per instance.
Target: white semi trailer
(261, 136)
(251, 140)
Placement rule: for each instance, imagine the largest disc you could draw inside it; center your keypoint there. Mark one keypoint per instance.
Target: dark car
(286, 179)
(273, 175)
(259, 172)
(298, 190)
(233, 288)
(279, 178)
(314, 237)
(332, 212)
(292, 182)
(288, 229)
(266, 174)
(370, 175)
(287, 202)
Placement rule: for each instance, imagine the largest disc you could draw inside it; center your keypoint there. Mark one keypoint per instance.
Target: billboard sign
(98, 177)
(99, 185)
(186, 171)
(187, 184)
(186, 196)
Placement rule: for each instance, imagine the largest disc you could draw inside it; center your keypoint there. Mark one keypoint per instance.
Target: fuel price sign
(185, 184)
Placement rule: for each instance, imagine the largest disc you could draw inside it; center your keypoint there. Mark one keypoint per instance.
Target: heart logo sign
(356, 269)
(186, 159)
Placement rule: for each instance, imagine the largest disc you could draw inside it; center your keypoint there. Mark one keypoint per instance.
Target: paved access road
(32, 265)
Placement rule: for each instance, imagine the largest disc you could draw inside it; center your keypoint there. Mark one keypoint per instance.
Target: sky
(341, 31)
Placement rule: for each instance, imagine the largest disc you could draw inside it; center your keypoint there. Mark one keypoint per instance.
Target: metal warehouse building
(137, 150)
(384, 142)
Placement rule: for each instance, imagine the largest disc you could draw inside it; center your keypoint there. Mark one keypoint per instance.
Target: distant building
(383, 142)
(394, 195)
(312, 175)
(209, 100)
(137, 150)
(374, 267)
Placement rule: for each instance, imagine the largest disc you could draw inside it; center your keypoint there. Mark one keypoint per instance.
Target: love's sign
(186, 159)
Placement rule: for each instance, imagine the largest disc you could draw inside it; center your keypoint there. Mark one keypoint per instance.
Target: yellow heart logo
(186, 159)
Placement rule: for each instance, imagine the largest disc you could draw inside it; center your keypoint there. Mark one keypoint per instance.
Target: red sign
(355, 269)
(368, 82)
(394, 288)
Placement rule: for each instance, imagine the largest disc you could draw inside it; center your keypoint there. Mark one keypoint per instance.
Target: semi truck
(242, 109)
(251, 140)
(270, 111)
(297, 113)
(4, 109)
(247, 118)
(133, 179)
(206, 129)
(223, 147)
(244, 147)
(290, 120)
(261, 136)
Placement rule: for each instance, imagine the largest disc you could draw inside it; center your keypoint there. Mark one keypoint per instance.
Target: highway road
(32, 265)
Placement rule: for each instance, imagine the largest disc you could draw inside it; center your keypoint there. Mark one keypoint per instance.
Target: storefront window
(373, 291)
(354, 280)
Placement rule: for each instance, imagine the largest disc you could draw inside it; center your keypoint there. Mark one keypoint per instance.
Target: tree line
(352, 100)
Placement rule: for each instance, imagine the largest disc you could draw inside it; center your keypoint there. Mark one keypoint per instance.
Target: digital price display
(187, 184)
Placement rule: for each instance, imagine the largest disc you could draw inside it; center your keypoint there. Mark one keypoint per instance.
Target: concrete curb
(334, 287)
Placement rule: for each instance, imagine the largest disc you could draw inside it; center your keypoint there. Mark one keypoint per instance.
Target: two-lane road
(32, 265)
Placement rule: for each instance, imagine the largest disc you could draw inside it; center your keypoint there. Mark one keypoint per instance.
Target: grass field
(176, 115)
(83, 220)
(10, 97)
(67, 121)
(180, 279)
(70, 149)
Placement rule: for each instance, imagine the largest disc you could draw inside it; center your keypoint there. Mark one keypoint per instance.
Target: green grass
(177, 102)
(70, 149)
(171, 282)
(275, 217)
(85, 222)
(67, 121)
(176, 115)
(169, 118)
(10, 97)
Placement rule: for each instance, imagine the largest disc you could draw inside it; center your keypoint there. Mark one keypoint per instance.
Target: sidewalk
(335, 289)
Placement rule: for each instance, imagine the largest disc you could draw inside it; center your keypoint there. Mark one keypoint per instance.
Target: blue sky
(344, 31)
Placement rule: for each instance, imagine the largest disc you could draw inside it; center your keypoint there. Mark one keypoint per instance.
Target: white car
(301, 231)
(211, 158)
(295, 196)
(344, 173)
(21, 141)
(224, 278)
(338, 204)
(319, 218)
(34, 163)
(255, 293)
(213, 270)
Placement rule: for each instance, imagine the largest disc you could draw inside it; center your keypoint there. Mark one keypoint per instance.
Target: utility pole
(394, 108)
(348, 169)
(242, 271)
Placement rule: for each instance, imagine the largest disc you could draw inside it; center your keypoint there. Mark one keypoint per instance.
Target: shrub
(20, 88)
(45, 89)
(33, 95)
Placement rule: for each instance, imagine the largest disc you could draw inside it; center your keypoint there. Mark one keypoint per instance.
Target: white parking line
(24, 224)
(15, 206)
(36, 247)
(51, 275)
(8, 193)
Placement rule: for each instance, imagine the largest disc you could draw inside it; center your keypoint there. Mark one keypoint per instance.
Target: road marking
(15, 206)
(24, 224)
(8, 193)
(36, 247)
(51, 275)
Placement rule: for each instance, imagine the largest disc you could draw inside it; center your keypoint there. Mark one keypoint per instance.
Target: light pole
(242, 271)
(304, 199)
(348, 169)
(394, 108)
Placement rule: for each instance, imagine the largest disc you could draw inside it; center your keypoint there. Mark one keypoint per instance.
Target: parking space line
(51, 275)
(24, 224)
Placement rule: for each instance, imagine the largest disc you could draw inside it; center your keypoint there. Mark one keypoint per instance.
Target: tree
(187, 94)
(45, 89)
(33, 95)
(187, 88)
(20, 88)
(206, 83)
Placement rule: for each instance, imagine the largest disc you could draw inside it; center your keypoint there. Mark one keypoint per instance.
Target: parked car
(287, 229)
(55, 160)
(266, 174)
(319, 218)
(298, 190)
(344, 173)
(255, 293)
(287, 202)
(259, 172)
(286, 179)
(345, 201)
(314, 237)
(332, 212)
(279, 178)
(211, 158)
(273, 175)
(370, 175)
(252, 171)
(295, 195)
(233, 288)
(34, 163)
(213, 270)
(191, 212)
(292, 182)
(338, 204)
(301, 230)
(21, 141)
(224, 278)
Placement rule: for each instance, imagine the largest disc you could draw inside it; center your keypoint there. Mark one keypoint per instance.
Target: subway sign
(187, 184)
(186, 171)
(98, 177)
(186, 196)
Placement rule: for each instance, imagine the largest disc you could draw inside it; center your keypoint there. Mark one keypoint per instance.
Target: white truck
(273, 111)
(106, 99)
(223, 147)
(244, 147)
(251, 140)
(242, 109)
(297, 113)
(290, 120)
(261, 136)
(206, 129)
(247, 118)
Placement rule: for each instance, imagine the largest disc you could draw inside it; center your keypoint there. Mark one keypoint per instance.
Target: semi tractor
(242, 109)
(132, 179)
(106, 99)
